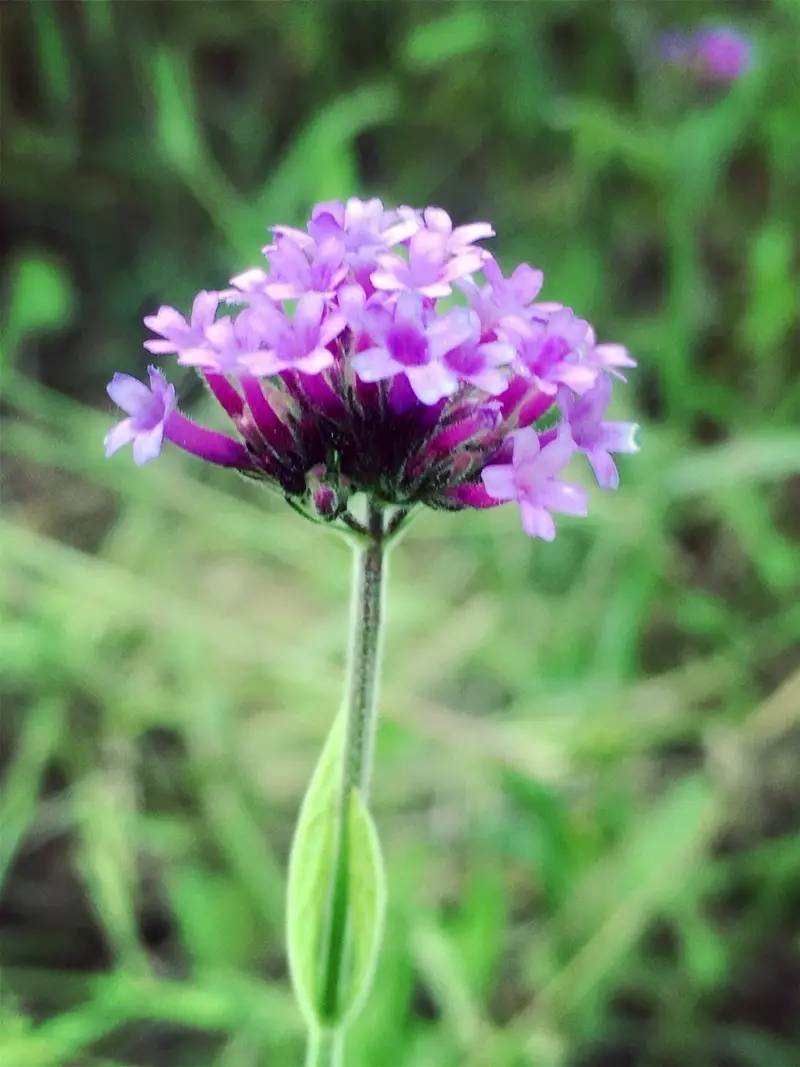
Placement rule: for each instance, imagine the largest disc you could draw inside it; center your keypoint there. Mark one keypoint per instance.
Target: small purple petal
(432, 382)
(537, 521)
(604, 467)
(375, 364)
(119, 436)
(620, 436)
(499, 481)
(147, 444)
(315, 361)
(128, 393)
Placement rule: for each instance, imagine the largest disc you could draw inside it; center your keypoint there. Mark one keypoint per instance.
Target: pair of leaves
(336, 896)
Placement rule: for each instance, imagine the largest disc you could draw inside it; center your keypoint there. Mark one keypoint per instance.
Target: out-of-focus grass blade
(768, 456)
(42, 726)
(39, 298)
(609, 910)
(104, 811)
(227, 1002)
(465, 29)
(306, 170)
(54, 60)
(442, 972)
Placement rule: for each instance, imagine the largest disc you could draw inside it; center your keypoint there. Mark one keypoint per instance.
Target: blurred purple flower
(714, 54)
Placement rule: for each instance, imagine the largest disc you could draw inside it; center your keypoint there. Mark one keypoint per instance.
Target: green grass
(588, 758)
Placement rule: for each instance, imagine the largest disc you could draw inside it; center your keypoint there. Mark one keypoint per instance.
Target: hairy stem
(369, 574)
(363, 661)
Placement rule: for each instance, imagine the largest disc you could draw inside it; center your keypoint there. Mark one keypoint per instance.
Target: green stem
(359, 728)
(364, 657)
(324, 1048)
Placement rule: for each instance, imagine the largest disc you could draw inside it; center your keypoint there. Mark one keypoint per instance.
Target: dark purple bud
(327, 493)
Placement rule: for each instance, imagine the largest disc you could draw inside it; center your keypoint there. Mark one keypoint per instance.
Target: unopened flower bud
(327, 495)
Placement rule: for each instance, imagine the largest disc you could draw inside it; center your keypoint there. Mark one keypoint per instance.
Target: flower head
(384, 352)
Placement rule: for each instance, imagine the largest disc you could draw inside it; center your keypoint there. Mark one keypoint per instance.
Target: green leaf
(311, 872)
(459, 33)
(215, 917)
(40, 298)
(367, 900)
(336, 895)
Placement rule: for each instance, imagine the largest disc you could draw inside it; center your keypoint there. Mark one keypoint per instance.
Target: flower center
(407, 345)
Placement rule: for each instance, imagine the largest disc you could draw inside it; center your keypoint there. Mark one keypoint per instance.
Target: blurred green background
(588, 775)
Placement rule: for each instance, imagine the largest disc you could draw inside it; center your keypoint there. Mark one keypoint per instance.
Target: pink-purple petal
(147, 445)
(431, 382)
(604, 467)
(128, 393)
(537, 521)
(375, 364)
(499, 481)
(118, 436)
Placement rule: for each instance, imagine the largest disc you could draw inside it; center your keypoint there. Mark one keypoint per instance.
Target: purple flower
(503, 301)
(553, 352)
(300, 343)
(428, 270)
(179, 335)
(408, 346)
(531, 480)
(360, 224)
(609, 357)
(297, 269)
(152, 416)
(345, 369)
(356, 224)
(479, 363)
(147, 410)
(595, 437)
(223, 344)
(458, 241)
(358, 230)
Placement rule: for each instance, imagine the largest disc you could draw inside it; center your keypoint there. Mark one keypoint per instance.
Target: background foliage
(588, 762)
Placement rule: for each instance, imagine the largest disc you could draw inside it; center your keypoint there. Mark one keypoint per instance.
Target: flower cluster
(384, 352)
(714, 54)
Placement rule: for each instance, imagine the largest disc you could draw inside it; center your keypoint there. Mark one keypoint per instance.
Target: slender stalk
(324, 1048)
(369, 575)
(363, 658)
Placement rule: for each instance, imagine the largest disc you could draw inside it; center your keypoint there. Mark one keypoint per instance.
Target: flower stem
(364, 657)
(324, 1048)
(369, 576)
